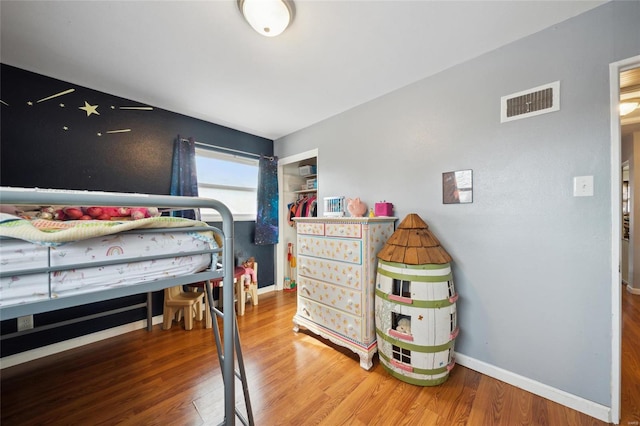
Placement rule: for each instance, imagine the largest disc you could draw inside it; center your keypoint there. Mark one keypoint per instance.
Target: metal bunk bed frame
(227, 357)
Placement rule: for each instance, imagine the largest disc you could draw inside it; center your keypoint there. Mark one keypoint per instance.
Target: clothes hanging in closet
(305, 206)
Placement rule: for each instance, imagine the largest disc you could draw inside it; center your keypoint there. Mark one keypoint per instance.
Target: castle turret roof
(413, 244)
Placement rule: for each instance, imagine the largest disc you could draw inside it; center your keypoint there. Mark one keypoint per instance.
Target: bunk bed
(50, 278)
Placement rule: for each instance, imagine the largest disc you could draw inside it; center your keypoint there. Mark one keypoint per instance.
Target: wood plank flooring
(630, 406)
(173, 378)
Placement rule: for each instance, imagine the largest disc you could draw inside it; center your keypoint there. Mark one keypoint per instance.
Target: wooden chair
(238, 273)
(247, 285)
(177, 302)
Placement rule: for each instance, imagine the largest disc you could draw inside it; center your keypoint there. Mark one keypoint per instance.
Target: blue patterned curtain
(184, 180)
(267, 216)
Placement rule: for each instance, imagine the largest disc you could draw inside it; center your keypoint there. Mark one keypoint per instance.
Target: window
(451, 289)
(405, 326)
(229, 178)
(401, 354)
(401, 288)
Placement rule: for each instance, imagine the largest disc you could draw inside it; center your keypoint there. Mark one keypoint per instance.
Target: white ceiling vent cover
(536, 101)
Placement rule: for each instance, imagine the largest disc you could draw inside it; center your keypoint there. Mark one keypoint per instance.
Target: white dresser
(336, 279)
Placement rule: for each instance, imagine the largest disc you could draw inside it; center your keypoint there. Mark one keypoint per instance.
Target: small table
(238, 272)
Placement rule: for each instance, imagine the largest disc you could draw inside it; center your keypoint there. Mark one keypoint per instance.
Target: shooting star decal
(66, 92)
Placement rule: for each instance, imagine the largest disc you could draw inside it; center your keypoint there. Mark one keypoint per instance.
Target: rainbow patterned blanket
(53, 233)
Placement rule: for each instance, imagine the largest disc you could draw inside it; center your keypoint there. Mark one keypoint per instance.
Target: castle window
(401, 288)
(401, 354)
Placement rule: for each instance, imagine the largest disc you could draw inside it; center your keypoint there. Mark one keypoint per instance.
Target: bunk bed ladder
(238, 372)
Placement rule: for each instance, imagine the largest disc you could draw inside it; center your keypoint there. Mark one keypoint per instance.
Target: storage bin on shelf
(307, 170)
(312, 183)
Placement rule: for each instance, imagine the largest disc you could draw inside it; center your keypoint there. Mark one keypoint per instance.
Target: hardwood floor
(630, 407)
(173, 378)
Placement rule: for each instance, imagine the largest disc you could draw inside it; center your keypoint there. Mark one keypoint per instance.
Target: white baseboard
(11, 360)
(633, 290)
(574, 402)
(267, 289)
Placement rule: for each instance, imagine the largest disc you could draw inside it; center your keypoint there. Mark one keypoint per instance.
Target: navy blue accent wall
(48, 140)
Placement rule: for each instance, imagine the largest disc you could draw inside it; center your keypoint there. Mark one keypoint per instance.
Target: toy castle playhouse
(415, 306)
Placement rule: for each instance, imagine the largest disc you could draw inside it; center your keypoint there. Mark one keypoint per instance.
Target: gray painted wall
(531, 262)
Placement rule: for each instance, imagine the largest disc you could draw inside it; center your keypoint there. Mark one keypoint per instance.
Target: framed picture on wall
(457, 187)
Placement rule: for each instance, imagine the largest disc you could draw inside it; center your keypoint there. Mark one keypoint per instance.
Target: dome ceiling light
(268, 17)
(627, 106)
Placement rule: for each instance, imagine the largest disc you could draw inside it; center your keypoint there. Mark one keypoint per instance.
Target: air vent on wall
(536, 101)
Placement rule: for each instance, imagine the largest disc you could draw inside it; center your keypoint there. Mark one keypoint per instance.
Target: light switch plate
(583, 186)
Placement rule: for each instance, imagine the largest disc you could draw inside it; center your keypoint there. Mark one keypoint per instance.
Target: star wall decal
(138, 108)
(90, 109)
(65, 92)
(110, 132)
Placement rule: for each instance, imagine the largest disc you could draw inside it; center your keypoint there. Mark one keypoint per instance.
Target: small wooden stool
(177, 301)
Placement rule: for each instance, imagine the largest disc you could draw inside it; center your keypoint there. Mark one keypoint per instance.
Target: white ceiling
(200, 58)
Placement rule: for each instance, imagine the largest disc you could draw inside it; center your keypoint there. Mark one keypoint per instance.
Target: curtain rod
(222, 148)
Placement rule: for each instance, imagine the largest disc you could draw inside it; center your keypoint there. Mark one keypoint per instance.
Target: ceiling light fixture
(268, 17)
(628, 106)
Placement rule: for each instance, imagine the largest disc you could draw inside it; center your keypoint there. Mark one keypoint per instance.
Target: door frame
(616, 233)
(281, 249)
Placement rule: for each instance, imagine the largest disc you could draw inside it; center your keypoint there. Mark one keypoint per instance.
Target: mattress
(33, 272)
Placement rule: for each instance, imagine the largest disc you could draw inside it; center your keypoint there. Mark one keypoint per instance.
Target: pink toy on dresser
(356, 207)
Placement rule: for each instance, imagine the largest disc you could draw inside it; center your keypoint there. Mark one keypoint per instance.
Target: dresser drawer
(338, 297)
(341, 273)
(346, 230)
(340, 322)
(310, 228)
(340, 249)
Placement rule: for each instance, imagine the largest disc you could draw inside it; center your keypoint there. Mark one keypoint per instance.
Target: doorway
(287, 167)
(618, 85)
